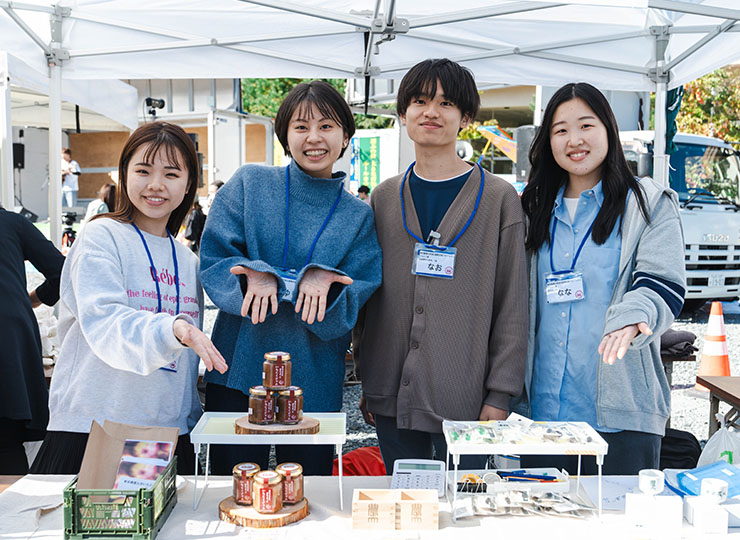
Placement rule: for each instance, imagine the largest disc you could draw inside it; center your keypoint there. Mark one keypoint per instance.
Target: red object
(365, 461)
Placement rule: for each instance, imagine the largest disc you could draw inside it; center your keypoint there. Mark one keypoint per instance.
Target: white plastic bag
(724, 445)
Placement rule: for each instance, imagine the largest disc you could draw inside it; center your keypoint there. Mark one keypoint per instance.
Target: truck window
(705, 169)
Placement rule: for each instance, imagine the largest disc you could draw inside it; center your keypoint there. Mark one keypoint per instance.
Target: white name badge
(564, 287)
(289, 278)
(431, 262)
(172, 366)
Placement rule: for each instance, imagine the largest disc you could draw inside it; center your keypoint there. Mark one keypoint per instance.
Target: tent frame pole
(661, 78)
(7, 186)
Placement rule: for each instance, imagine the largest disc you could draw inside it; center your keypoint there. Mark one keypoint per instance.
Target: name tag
(431, 262)
(289, 278)
(564, 287)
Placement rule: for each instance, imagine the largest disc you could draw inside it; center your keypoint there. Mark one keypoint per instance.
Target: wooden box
(389, 509)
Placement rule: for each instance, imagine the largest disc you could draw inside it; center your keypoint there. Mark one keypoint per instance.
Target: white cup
(651, 481)
(714, 489)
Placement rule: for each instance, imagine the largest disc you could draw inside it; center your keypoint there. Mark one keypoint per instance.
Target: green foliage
(264, 96)
(711, 104)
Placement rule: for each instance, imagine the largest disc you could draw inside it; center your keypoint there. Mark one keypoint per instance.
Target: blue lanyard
(465, 228)
(287, 221)
(583, 242)
(154, 270)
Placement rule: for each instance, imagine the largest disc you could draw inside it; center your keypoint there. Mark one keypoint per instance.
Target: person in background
(70, 174)
(606, 280)
(23, 392)
(363, 193)
(212, 190)
(289, 257)
(131, 309)
(445, 335)
(106, 202)
(194, 226)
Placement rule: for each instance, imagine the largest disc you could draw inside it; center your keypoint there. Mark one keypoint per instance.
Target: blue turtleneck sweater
(246, 226)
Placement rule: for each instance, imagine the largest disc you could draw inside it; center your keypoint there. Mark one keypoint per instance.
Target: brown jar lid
(297, 391)
(268, 477)
(259, 391)
(277, 356)
(246, 469)
(289, 469)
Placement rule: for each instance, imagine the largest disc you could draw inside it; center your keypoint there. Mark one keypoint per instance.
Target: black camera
(69, 218)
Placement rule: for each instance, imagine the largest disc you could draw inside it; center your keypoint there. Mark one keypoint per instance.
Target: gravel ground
(690, 408)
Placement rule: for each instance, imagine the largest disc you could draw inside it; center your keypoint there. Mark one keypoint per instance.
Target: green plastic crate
(119, 513)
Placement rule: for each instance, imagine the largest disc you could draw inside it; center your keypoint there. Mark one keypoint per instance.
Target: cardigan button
(419, 309)
(405, 382)
(414, 345)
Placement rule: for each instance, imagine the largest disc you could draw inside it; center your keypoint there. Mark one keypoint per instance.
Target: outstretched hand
(615, 344)
(261, 292)
(312, 292)
(191, 337)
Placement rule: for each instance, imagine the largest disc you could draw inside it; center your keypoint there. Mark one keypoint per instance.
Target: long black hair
(546, 176)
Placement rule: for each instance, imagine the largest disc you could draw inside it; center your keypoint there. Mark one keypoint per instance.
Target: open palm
(312, 292)
(261, 292)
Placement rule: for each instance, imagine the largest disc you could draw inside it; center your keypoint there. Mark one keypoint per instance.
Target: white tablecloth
(21, 503)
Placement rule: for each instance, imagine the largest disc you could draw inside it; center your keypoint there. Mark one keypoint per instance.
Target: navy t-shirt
(432, 199)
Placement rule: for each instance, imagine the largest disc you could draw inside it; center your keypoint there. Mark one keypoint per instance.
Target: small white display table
(596, 447)
(218, 428)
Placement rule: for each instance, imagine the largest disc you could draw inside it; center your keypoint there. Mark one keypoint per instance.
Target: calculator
(419, 474)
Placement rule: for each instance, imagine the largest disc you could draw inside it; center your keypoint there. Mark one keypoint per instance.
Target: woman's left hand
(614, 345)
(312, 292)
(488, 412)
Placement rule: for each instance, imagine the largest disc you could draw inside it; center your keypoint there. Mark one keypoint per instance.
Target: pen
(524, 474)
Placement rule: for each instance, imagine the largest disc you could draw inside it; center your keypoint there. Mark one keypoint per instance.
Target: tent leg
(7, 187)
(55, 152)
(660, 159)
(211, 147)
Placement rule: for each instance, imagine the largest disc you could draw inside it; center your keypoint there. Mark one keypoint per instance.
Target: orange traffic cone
(714, 358)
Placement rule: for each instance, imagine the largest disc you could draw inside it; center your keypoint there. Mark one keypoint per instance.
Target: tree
(711, 104)
(264, 96)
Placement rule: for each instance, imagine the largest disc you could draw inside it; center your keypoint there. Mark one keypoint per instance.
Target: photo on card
(158, 451)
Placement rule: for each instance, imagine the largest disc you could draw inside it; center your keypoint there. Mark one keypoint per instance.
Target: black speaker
(19, 155)
(194, 138)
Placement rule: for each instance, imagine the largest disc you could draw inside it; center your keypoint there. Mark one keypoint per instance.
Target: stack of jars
(268, 490)
(276, 401)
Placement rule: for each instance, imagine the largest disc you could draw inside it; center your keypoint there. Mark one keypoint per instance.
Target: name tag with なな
(432, 261)
(564, 287)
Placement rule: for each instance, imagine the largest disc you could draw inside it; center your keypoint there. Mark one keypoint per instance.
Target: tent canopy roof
(611, 43)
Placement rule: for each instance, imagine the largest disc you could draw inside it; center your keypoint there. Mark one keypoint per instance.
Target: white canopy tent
(23, 97)
(616, 44)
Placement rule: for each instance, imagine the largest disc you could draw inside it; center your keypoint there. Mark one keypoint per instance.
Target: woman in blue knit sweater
(289, 257)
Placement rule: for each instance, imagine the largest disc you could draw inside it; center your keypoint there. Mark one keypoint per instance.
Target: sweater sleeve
(507, 347)
(223, 246)
(363, 263)
(45, 257)
(121, 336)
(658, 280)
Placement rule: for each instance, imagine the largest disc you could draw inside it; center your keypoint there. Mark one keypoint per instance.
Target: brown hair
(107, 194)
(177, 146)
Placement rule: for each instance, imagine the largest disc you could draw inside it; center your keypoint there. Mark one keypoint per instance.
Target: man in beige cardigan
(445, 336)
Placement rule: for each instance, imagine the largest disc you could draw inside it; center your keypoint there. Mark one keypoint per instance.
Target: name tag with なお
(432, 261)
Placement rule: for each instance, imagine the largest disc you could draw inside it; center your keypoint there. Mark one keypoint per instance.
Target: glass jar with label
(292, 474)
(243, 473)
(267, 492)
(290, 405)
(276, 370)
(261, 405)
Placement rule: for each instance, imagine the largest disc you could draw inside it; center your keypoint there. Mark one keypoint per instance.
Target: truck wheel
(691, 305)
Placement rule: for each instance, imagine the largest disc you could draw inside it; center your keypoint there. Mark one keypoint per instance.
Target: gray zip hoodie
(633, 393)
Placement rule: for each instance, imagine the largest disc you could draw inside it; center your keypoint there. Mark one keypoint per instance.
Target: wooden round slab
(306, 426)
(247, 516)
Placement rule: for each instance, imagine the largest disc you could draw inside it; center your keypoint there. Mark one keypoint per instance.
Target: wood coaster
(307, 426)
(247, 516)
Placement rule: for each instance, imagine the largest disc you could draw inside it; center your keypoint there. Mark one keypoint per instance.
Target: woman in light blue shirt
(592, 226)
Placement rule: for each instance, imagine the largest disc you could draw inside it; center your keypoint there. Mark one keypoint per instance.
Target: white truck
(705, 172)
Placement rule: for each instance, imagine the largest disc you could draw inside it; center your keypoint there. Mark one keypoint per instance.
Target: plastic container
(120, 513)
(690, 481)
(276, 370)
